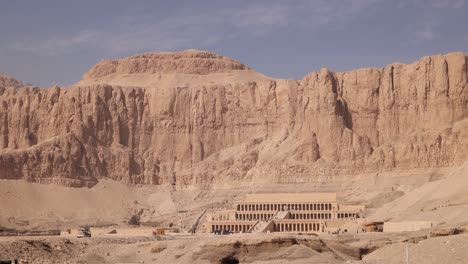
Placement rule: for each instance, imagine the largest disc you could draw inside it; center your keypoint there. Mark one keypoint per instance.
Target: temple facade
(284, 212)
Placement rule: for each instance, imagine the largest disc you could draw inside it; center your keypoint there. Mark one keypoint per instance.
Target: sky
(54, 42)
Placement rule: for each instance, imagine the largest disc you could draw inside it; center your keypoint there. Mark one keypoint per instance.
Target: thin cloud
(426, 34)
(447, 3)
(260, 15)
(186, 29)
(432, 4)
(56, 44)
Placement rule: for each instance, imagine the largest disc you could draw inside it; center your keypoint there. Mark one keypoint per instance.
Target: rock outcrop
(218, 120)
(188, 62)
(7, 81)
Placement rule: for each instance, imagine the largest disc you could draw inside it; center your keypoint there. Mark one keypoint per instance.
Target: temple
(284, 212)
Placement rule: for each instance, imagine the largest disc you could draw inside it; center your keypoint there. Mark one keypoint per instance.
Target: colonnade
(311, 216)
(232, 227)
(305, 216)
(254, 216)
(346, 215)
(285, 206)
(297, 227)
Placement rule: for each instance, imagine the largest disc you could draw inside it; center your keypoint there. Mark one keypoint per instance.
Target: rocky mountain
(194, 118)
(7, 81)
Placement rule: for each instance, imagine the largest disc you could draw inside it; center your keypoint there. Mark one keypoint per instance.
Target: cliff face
(7, 81)
(197, 118)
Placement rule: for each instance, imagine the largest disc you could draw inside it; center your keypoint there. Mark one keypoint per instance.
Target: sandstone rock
(189, 62)
(7, 81)
(218, 120)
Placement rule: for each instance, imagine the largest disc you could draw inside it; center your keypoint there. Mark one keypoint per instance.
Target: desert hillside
(198, 119)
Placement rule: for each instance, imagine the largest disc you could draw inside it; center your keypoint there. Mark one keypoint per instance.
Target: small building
(160, 231)
(375, 226)
(283, 212)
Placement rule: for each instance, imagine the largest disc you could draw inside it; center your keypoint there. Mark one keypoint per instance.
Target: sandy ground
(398, 195)
(128, 247)
(437, 195)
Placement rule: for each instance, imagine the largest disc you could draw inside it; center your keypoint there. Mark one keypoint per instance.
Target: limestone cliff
(7, 81)
(195, 118)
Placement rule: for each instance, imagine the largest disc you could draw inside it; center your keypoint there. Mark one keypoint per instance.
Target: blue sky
(54, 42)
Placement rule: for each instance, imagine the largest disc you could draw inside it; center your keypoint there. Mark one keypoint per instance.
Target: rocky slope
(194, 118)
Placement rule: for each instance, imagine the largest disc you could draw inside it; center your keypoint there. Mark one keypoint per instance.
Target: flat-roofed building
(283, 212)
